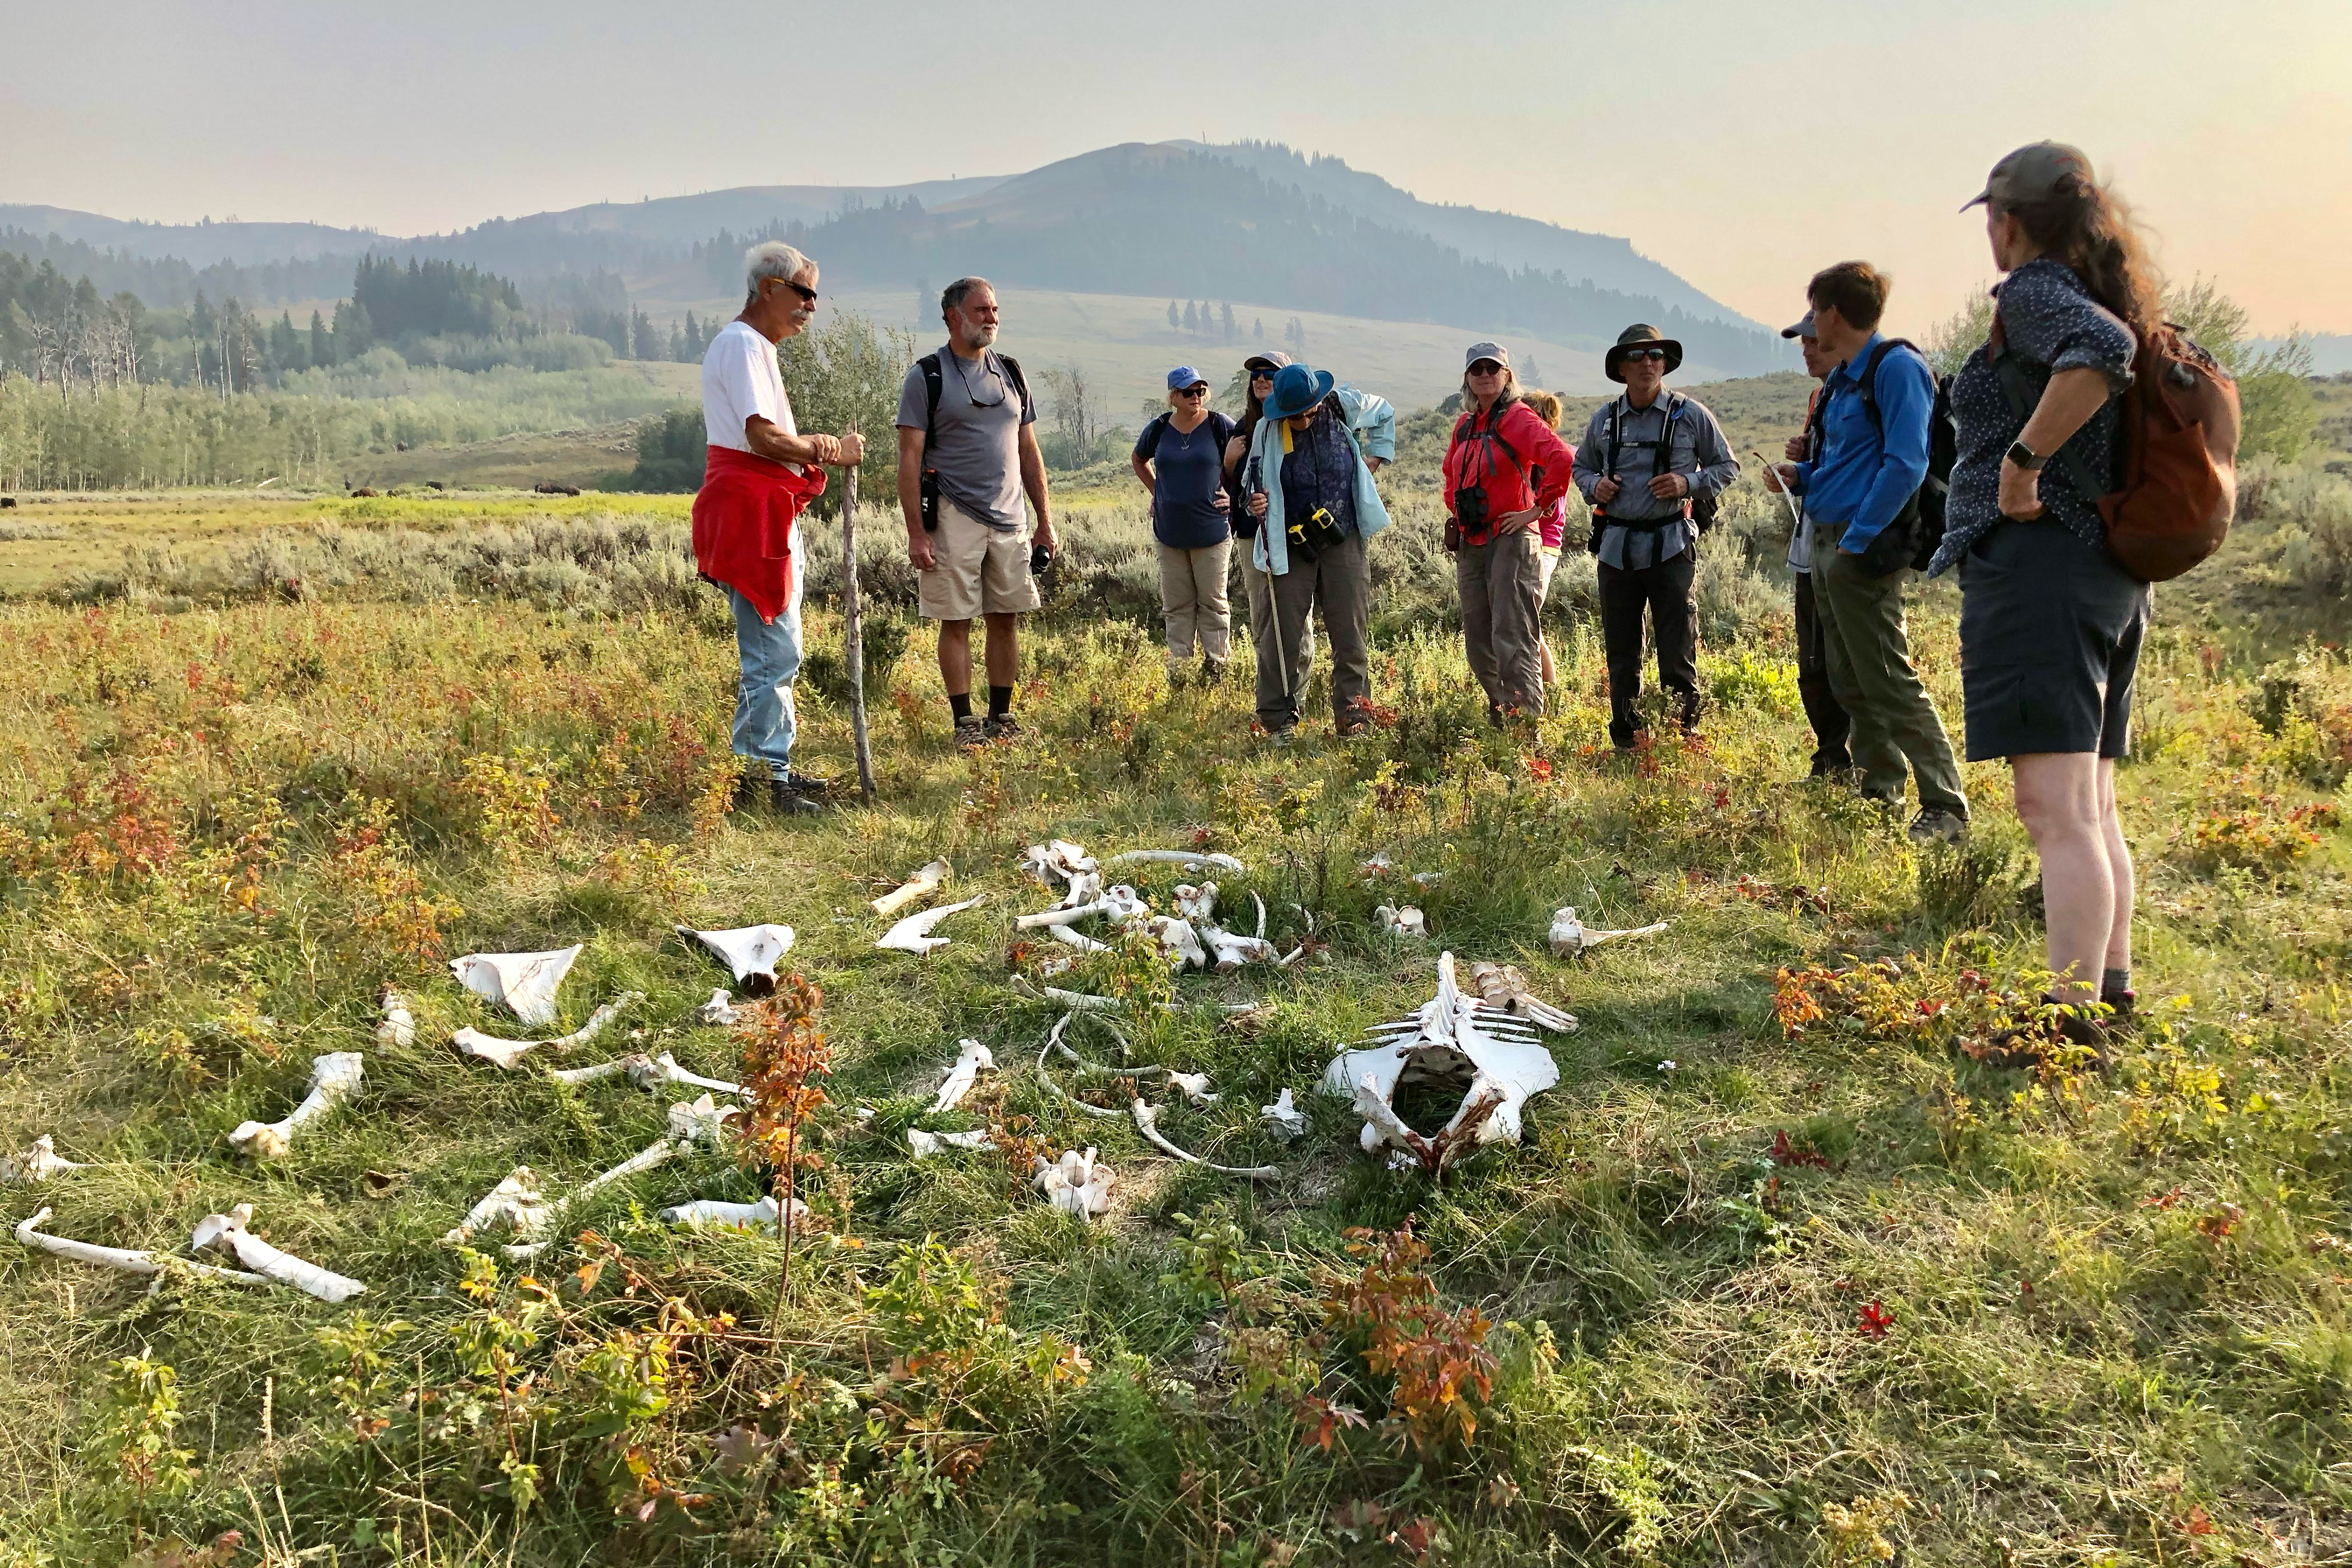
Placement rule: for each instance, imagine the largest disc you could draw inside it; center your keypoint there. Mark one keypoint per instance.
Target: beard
(980, 336)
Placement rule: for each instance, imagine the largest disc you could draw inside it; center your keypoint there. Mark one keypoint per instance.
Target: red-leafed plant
(1443, 1371)
(783, 1050)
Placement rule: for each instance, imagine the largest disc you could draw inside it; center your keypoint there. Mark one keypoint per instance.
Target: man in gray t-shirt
(968, 459)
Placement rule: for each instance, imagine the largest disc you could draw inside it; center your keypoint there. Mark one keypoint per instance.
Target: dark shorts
(2049, 635)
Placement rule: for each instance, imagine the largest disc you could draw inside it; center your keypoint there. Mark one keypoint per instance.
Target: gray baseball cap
(1801, 329)
(2031, 174)
(1477, 351)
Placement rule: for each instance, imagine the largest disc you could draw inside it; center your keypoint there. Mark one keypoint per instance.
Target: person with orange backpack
(1505, 470)
(2097, 454)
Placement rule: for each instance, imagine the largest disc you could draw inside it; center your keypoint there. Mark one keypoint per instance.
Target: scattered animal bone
(227, 1232)
(1190, 859)
(691, 1122)
(1121, 903)
(1194, 1087)
(1059, 858)
(752, 952)
(1147, 1122)
(398, 1027)
(913, 934)
(761, 1215)
(927, 1144)
(646, 1073)
(1380, 865)
(1196, 904)
(506, 1053)
(719, 1009)
(333, 1076)
(1076, 1183)
(1080, 1002)
(525, 981)
(1506, 990)
(515, 1205)
(1570, 936)
(1453, 1039)
(1180, 942)
(1283, 1118)
(1070, 936)
(36, 1164)
(1231, 951)
(131, 1260)
(1403, 920)
(972, 1057)
(1053, 1044)
(915, 888)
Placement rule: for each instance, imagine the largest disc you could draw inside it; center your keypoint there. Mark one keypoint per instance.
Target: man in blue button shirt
(1871, 464)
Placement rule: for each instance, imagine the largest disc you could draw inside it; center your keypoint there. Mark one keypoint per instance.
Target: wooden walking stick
(853, 630)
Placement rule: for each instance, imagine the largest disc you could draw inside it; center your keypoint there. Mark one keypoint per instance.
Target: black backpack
(934, 380)
(1920, 523)
(1699, 509)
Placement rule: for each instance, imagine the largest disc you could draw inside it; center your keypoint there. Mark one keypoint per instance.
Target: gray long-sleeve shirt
(1698, 452)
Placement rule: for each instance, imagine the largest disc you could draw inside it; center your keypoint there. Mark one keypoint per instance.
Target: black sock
(2115, 981)
(959, 704)
(1000, 702)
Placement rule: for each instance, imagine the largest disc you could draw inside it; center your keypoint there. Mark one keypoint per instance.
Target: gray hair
(773, 259)
(951, 297)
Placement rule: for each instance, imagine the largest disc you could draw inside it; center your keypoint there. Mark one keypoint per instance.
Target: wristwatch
(2026, 457)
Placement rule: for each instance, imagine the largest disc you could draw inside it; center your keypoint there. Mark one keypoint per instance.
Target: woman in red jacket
(1505, 470)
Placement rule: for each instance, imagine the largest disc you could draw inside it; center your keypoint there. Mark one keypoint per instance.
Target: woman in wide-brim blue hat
(1313, 493)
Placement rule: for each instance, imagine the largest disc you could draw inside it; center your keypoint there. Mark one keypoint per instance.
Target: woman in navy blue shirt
(1179, 457)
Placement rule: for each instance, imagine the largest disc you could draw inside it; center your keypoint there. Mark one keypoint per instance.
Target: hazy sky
(1743, 144)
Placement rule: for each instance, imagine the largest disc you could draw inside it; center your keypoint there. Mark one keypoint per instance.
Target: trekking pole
(853, 622)
(1795, 521)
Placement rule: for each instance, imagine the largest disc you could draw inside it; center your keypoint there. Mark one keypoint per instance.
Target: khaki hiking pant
(1192, 602)
(1339, 582)
(1868, 652)
(1281, 681)
(1502, 588)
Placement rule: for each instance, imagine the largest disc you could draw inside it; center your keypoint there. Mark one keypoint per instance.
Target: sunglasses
(1191, 392)
(1261, 375)
(807, 294)
(1652, 354)
(1485, 367)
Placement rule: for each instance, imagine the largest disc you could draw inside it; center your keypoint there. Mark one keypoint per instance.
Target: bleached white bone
(1380, 865)
(1194, 1087)
(1147, 1122)
(1121, 903)
(1453, 1038)
(506, 1053)
(1180, 942)
(1071, 936)
(1570, 936)
(971, 1058)
(926, 882)
(761, 1215)
(1190, 859)
(1283, 1118)
(1196, 904)
(647, 1073)
(129, 1259)
(751, 951)
(1504, 989)
(694, 1122)
(719, 1009)
(516, 1204)
(1079, 1001)
(927, 1144)
(228, 1232)
(1058, 858)
(1084, 889)
(913, 934)
(398, 1026)
(333, 1076)
(524, 982)
(1232, 952)
(1403, 920)
(37, 1163)
(1076, 1183)
(1053, 1044)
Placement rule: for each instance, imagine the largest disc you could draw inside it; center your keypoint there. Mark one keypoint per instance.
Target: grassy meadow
(1782, 1273)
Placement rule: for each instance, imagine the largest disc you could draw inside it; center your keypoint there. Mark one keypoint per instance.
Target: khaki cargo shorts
(978, 571)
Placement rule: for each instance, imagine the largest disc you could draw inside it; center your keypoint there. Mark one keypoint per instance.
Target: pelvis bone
(333, 1076)
(227, 1232)
(913, 934)
(506, 1053)
(36, 1164)
(525, 981)
(916, 888)
(131, 1260)
(1570, 936)
(1452, 1039)
(1076, 1183)
(752, 952)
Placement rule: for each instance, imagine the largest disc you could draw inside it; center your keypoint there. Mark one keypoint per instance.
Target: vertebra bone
(1076, 1183)
(525, 981)
(1119, 902)
(752, 952)
(398, 1026)
(719, 1009)
(1506, 990)
(1283, 1118)
(1059, 858)
(333, 1076)
(515, 1205)
(691, 1122)
(1404, 921)
(227, 1232)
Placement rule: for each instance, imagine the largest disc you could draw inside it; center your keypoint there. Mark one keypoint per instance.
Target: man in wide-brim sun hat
(1644, 337)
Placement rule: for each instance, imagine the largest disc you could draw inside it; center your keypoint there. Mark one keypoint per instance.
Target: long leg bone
(752, 952)
(131, 1260)
(1076, 1183)
(971, 1058)
(1070, 936)
(691, 1122)
(36, 1163)
(333, 1076)
(398, 1027)
(928, 1144)
(525, 981)
(761, 1215)
(1506, 990)
(1570, 936)
(228, 1232)
(1147, 1122)
(1119, 902)
(515, 1205)
(913, 934)
(1190, 859)
(930, 880)
(506, 1053)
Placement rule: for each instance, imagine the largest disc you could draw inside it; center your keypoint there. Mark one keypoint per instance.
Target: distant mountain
(200, 245)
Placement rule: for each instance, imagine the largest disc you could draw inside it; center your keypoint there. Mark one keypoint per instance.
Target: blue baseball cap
(1184, 375)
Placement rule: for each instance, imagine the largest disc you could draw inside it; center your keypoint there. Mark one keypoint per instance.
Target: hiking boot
(2123, 1011)
(1938, 825)
(1282, 734)
(807, 783)
(1213, 671)
(2038, 1044)
(971, 733)
(1002, 727)
(783, 800)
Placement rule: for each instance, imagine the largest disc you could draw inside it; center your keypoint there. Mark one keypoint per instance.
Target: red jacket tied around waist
(1514, 458)
(743, 524)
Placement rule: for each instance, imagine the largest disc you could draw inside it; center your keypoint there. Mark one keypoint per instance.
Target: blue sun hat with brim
(1297, 389)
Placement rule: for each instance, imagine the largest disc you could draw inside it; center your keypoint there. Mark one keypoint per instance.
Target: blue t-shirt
(1188, 496)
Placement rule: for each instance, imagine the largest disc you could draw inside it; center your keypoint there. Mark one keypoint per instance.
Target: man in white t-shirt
(760, 471)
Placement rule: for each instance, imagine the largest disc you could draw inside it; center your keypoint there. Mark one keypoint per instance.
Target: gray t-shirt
(975, 443)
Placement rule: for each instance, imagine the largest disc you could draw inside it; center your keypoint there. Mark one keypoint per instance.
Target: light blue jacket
(1372, 422)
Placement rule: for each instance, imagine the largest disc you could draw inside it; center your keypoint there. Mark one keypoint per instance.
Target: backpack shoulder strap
(1664, 455)
(1012, 374)
(1869, 380)
(932, 380)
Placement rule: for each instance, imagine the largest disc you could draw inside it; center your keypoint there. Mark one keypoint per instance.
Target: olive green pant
(1869, 659)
